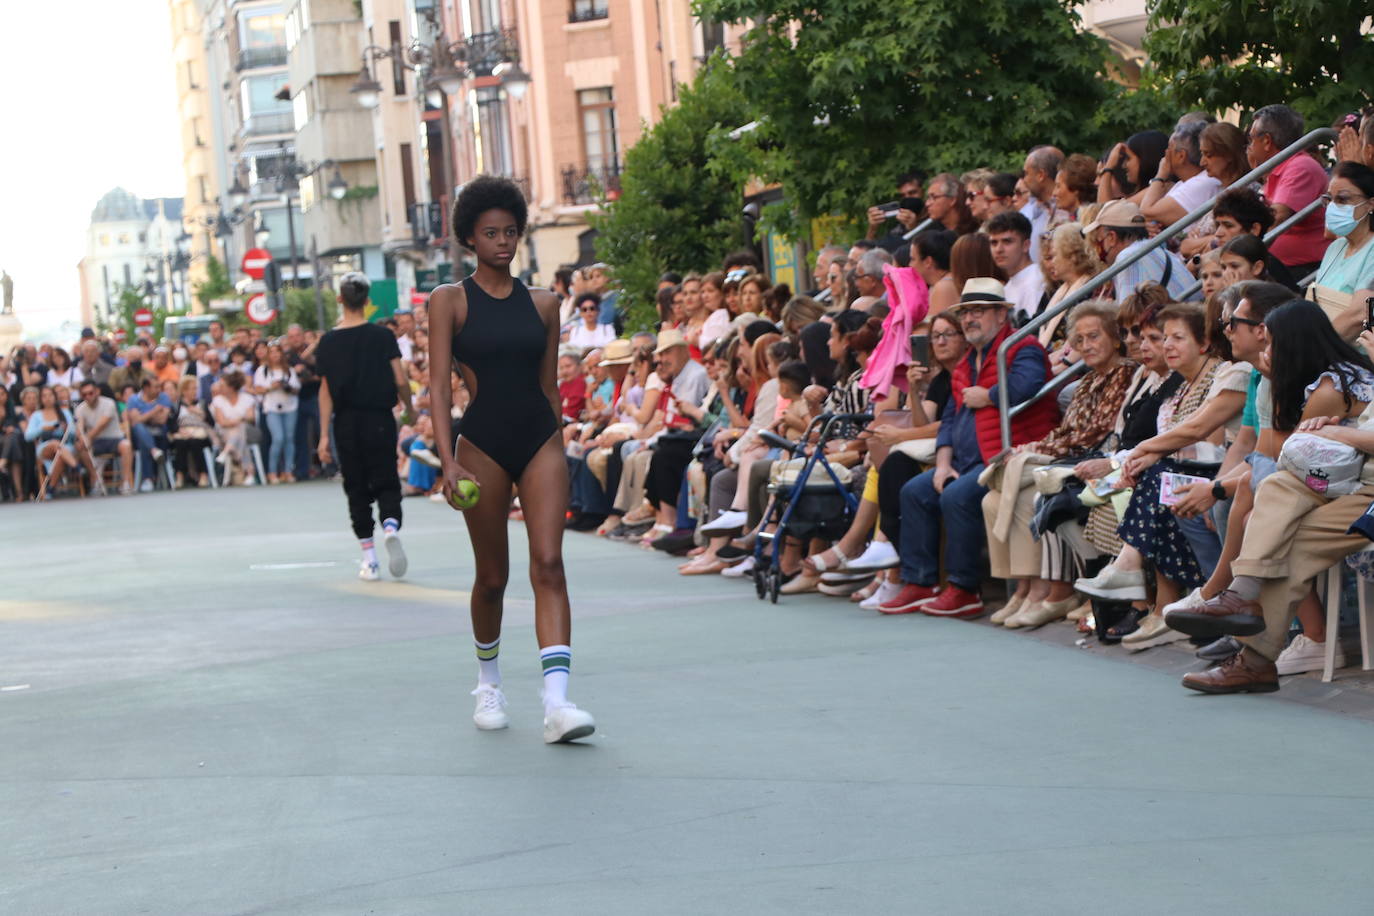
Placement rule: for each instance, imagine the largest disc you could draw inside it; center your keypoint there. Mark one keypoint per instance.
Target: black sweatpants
(365, 442)
(666, 468)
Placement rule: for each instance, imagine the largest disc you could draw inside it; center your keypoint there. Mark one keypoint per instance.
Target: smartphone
(915, 204)
(1369, 314)
(920, 349)
(890, 208)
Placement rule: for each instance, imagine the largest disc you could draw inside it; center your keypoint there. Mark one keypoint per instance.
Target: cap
(1117, 214)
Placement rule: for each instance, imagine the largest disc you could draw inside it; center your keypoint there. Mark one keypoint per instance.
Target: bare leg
(486, 523)
(1235, 534)
(544, 497)
(1166, 592)
(1312, 616)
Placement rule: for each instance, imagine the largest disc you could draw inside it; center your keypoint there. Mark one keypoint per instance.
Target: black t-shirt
(940, 391)
(356, 362)
(306, 372)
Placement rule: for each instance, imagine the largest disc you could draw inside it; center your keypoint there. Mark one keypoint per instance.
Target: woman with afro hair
(504, 337)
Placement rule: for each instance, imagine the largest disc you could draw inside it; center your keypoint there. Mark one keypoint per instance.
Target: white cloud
(89, 104)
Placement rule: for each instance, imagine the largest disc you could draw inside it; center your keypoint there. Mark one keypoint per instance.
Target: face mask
(136, 363)
(179, 355)
(1340, 219)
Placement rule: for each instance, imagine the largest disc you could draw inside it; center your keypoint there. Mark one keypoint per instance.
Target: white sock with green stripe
(488, 669)
(557, 662)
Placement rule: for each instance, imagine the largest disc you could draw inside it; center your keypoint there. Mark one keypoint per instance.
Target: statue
(7, 287)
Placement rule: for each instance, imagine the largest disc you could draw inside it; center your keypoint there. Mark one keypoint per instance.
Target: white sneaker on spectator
(426, 456)
(368, 572)
(490, 713)
(126, 489)
(395, 554)
(885, 593)
(157, 454)
(877, 556)
(1114, 583)
(1304, 654)
(567, 723)
(1188, 602)
(741, 569)
(99, 489)
(145, 487)
(248, 481)
(728, 520)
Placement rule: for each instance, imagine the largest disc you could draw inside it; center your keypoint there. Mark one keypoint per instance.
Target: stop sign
(259, 310)
(255, 261)
(143, 318)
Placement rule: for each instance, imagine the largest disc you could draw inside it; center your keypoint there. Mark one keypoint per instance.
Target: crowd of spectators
(1200, 466)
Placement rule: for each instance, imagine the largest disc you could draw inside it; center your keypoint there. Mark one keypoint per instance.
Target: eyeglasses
(1236, 319)
(946, 335)
(976, 311)
(1253, 137)
(1344, 200)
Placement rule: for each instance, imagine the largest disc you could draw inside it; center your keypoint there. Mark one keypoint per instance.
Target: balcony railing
(588, 184)
(588, 10)
(264, 56)
(483, 51)
(277, 122)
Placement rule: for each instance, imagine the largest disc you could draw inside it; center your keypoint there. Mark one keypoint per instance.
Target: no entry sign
(255, 262)
(143, 318)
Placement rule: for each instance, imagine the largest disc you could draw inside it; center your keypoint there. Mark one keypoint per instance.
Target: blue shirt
(608, 309)
(1151, 269)
(137, 403)
(1025, 376)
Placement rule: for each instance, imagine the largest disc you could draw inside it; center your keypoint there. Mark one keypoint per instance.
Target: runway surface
(205, 712)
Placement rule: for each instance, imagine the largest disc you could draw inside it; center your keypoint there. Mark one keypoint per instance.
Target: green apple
(465, 495)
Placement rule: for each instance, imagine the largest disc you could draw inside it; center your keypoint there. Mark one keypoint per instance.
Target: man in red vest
(970, 436)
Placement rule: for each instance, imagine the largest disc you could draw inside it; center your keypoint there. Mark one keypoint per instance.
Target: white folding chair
(1334, 576)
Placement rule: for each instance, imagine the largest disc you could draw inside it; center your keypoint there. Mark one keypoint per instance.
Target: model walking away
(505, 338)
(361, 382)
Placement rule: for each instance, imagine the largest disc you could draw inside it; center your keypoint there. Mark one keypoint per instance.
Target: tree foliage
(1220, 54)
(216, 284)
(677, 207)
(850, 93)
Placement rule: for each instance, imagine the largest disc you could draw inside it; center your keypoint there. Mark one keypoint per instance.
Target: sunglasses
(589, 309)
(1236, 319)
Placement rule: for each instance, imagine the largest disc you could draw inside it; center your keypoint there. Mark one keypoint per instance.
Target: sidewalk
(289, 740)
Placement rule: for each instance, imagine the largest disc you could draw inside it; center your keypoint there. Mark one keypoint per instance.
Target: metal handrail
(1085, 292)
(1054, 384)
(918, 228)
(1272, 234)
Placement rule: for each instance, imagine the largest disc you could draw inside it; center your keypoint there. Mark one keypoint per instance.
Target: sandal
(820, 564)
(1128, 624)
(868, 590)
(696, 552)
(697, 568)
(654, 533)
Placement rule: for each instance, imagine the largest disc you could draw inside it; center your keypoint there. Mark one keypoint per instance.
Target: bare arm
(326, 414)
(547, 304)
(1207, 420)
(398, 373)
(1350, 322)
(447, 309)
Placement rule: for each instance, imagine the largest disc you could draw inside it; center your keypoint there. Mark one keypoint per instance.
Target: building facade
(132, 243)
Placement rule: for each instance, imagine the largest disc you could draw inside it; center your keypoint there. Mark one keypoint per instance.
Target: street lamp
(238, 194)
(513, 77)
(337, 186)
(366, 90)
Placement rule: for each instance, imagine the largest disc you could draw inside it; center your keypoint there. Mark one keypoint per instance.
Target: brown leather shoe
(1228, 614)
(1245, 672)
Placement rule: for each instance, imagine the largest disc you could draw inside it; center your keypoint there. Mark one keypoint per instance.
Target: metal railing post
(1085, 292)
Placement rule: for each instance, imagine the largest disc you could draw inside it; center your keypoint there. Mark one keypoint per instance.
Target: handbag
(877, 451)
(784, 474)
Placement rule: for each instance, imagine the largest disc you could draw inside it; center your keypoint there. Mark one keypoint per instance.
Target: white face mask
(179, 355)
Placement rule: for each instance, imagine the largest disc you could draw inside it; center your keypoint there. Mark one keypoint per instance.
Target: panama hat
(667, 339)
(619, 352)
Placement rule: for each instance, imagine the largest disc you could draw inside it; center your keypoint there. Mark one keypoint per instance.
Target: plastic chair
(1334, 576)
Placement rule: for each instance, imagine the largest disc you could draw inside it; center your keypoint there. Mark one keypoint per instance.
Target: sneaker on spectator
(427, 457)
(1153, 631)
(156, 453)
(729, 520)
(490, 713)
(741, 569)
(1188, 602)
(878, 556)
(1304, 654)
(126, 489)
(99, 489)
(146, 486)
(908, 600)
(368, 572)
(954, 601)
(1114, 583)
(885, 593)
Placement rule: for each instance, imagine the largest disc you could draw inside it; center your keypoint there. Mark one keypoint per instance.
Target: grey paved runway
(216, 717)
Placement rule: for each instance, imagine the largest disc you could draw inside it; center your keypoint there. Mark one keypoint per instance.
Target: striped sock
(488, 669)
(369, 551)
(557, 662)
(390, 525)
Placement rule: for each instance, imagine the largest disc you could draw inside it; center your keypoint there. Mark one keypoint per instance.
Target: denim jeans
(144, 443)
(960, 509)
(307, 421)
(281, 455)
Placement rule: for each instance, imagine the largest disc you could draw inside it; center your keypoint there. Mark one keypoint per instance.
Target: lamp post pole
(315, 272)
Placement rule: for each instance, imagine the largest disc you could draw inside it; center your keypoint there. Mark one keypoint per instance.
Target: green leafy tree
(677, 206)
(850, 94)
(1312, 54)
(216, 284)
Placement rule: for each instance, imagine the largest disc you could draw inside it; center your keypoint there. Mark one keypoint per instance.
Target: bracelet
(1160, 180)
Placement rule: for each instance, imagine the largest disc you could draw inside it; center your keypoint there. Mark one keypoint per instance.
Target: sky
(89, 104)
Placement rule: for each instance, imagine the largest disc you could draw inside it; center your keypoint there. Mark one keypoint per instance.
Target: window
(586, 10)
(301, 109)
(260, 95)
(200, 184)
(398, 70)
(263, 28)
(493, 131)
(104, 240)
(486, 15)
(596, 111)
(407, 175)
(297, 21)
(191, 75)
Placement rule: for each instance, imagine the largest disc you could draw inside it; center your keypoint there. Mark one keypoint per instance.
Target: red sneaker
(954, 601)
(908, 600)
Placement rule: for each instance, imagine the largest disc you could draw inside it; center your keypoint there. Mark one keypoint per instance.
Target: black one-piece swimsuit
(503, 342)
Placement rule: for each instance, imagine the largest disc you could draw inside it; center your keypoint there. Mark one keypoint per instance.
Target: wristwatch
(1218, 491)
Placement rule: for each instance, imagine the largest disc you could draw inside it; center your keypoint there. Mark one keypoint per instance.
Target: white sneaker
(878, 555)
(885, 593)
(726, 521)
(567, 723)
(426, 457)
(248, 481)
(395, 554)
(741, 569)
(99, 490)
(368, 572)
(157, 454)
(145, 487)
(126, 489)
(1188, 602)
(1114, 583)
(490, 713)
(1304, 654)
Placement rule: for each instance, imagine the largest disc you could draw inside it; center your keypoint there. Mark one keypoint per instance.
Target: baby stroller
(813, 503)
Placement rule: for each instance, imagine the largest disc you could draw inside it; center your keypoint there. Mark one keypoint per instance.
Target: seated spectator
(193, 434)
(930, 257)
(836, 288)
(868, 275)
(61, 371)
(572, 387)
(998, 190)
(133, 372)
(91, 366)
(1223, 158)
(1345, 277)
(1181, 184)
(1129, 165)
(50, 431)
(1211, 273)
(717, 316)
(148, 413)
(1357, 145)
(1118, 233)
(16, 451)
(163, 367)
(1039, 173)
(1244, 258)
(1076, 184)
(799, 312)
(208, 377)
(235, 414)
(686, 390)
(970, 257)
(100, 433)
(950, 494)
(1290, 187)
(1073, 263)
(1086, 426)
(946, 205)
(1009, 235)
(753, 291)
(590, 331)
(908, 185)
